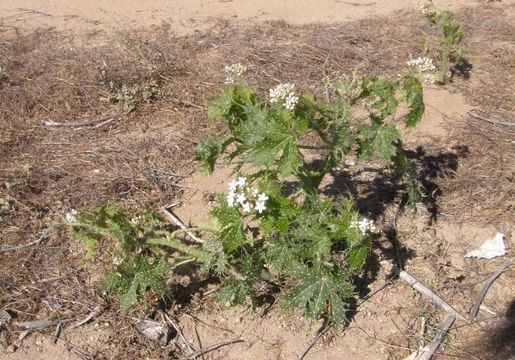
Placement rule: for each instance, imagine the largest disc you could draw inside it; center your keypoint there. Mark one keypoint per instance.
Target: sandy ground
(190, 15)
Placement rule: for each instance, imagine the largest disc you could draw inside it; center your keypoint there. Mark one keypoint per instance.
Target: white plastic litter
(491, 248)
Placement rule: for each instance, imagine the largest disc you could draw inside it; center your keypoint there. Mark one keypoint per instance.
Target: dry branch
(179, 331)
(212, 347)
(475, 309)
(313, 342)
(24, 246)
(91, 315)
(39, 324)
(481, 115)
(180, 224)
(96, 123)
(417, 285)
(435, 344)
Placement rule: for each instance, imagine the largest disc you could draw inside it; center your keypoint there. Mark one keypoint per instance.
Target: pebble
(11, 348)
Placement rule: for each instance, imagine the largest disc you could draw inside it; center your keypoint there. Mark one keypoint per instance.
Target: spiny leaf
(231, 105)
(378, 139)
(231, 235)
(357, 254)
(384, 91)
(208, 152)
(135, 276)
(319, 293)
(215, 259)
(413, 95)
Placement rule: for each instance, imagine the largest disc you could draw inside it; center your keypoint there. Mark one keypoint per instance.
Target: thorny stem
(445, 64)
(177, 245)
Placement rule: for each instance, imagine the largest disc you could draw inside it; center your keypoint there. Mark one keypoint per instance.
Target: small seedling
(452, 35)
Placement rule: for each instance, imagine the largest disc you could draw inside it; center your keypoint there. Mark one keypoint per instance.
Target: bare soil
(70, 73)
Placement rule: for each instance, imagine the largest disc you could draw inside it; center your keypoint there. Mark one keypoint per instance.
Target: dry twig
(313, 342)
(91, 315)
(417, 285)
(212, 347)
(435, 344)
(180, 224)
(179, 331)
(94, 124)
(475, 309)
(24, 246)
(481, 115)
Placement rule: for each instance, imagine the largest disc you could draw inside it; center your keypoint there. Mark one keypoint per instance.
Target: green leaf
(413, 95)
(316, 243)
(231, 105)
(384, 92)
(234, 292)
(215, 259)
(271, 143)
(378, 139)
(208, 152)
(104, 222)
(320, 294)
(135, 276)
(231, 221)
(357, 254)
(221, 107)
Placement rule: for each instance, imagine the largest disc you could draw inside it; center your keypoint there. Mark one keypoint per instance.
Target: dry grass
(140, 158)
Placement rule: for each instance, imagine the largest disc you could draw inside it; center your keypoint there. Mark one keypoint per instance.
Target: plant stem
(445, 64)
(177, 245)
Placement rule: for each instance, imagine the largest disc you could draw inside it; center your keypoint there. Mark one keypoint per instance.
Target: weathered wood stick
(417, 285)
(489, 281)
(428, 355)
(180, 224)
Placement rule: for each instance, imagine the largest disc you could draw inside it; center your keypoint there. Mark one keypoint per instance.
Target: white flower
(364, 226)
(233, 185)
(262, 197)
(230, 199)
(284, 94)
(233, 72)
(246, 207)
(242, 181)
(290, 101)
(260, 207)
(71, 216)
(241, 198)
(424, 67)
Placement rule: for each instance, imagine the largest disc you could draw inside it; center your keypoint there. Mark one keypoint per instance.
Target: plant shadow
(462, 69)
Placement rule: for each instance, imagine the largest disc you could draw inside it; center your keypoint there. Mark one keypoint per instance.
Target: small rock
(11, 348)
(238, 320)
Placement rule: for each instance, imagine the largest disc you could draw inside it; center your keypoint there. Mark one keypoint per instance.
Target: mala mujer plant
(273, 230)
(452, 35)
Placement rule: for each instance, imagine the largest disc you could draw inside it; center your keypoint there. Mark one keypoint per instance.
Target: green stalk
(445, 64)
(179, 246)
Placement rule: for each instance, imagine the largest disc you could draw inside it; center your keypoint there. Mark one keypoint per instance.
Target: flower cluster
(284, 94)
(365, 226)
(242, 194)
(71, 216)
(424, 67)
(233, 72)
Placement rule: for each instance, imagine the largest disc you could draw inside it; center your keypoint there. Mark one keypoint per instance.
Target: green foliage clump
(138, 268)
(260, 236)
(452, 35)
(308, 245)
